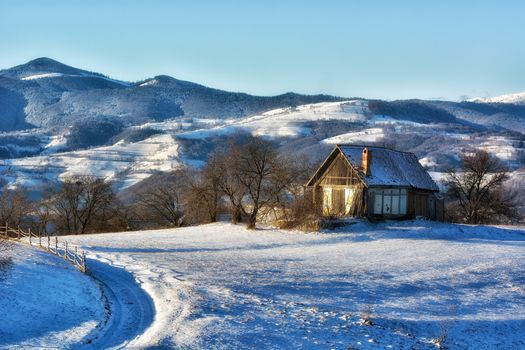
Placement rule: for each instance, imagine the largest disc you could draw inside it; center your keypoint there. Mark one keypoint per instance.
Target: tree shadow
(429, 230)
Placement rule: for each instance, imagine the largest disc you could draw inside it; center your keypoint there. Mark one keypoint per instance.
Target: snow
(45, 301)
(221, 286)
(150, 82)
(508, 98)
(500, 146)
(386, 120)
(362, 137)
(43, 75)
(57, 75)
(56, 143)
(427, 161)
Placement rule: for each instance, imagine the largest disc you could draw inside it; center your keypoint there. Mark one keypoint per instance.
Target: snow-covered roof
(390, 168)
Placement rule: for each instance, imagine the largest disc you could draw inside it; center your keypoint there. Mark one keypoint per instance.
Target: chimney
(366, 161)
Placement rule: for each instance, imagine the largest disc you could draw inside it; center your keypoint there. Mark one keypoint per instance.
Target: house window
(390, 202)
(395, 204)
(387, 202)
(378, 203)
(403, 202)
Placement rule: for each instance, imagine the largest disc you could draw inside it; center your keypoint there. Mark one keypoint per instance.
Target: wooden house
(375, 182)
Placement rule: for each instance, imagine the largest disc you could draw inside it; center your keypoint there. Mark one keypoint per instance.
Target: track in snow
(129, 309)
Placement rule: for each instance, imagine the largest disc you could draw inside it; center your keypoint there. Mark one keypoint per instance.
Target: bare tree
(476, 189)
(14, 207)
(161, 201)
(250, 167)
(84, 204)
(203, 195)
(222, 170)
(254, 178)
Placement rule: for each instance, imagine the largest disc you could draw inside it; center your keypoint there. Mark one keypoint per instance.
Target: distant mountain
(44, 68)
(517, 98)
(87, 123)
(47, 93)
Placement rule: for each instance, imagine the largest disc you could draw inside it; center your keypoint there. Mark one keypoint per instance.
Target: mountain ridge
(57, 95)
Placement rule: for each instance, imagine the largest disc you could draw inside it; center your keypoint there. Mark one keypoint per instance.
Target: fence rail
(48, 243)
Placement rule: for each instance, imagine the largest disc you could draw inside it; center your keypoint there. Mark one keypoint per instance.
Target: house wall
(422, 204)
(394, 202)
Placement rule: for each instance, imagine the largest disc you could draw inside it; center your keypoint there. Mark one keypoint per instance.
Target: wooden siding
(340, 190)
(339, 173)
(419, 204)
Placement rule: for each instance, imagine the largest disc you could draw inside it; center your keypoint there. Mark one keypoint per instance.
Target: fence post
(30, 237)
(76, 254)
(40, 239)
(48, 242)
(83, 261)
(56, 245)
(65, 252)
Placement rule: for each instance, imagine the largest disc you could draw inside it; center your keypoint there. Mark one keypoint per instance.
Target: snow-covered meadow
(221, 286)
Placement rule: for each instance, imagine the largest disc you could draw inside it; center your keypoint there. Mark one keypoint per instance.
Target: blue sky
(378, 49)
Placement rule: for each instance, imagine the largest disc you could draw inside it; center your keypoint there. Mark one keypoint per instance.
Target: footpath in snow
(220, 286)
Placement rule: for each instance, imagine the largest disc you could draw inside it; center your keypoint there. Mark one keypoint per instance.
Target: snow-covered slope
(45, 302)
(220, 286)
(508, 98)
(123, 163)
(309, 129)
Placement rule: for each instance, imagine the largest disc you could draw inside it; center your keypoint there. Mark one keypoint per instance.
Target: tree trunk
(252, 220)
(236, 215)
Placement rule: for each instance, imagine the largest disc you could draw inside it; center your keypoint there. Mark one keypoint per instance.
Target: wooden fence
(50, 244)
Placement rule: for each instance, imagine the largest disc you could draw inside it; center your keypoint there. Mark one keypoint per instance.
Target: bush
(303, 215)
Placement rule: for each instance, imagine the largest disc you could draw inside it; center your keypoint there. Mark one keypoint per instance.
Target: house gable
(340, 173)
(336, 170)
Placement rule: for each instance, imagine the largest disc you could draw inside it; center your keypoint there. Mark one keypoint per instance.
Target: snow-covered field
(221, 286)
(46, 302)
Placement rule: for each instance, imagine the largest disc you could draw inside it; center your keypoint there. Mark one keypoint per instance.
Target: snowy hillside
(310, 129)
(399, 285)
(123, 163)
